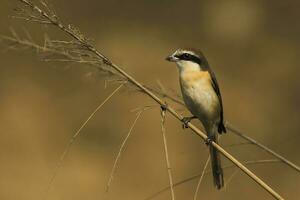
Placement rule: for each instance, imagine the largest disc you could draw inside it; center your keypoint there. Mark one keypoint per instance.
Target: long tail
(216, 167)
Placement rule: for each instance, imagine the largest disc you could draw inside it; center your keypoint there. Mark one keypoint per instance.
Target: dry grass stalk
(201, 178)
(229, 179)
(138, 115)
(75, 135)
(260, 145)
(248, 163)
(169, 169)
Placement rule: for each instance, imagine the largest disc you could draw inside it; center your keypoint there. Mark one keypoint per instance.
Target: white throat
(188, 66)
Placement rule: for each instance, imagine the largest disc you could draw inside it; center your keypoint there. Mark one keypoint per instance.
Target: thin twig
(164, 95)
(163, 131)
(31, 19)
(231, 177)
(284, 160)
(50, 48)
(71, 141)
(38, 48)
(121, 150)
(201, 178)
(255, 162)
(238, 144)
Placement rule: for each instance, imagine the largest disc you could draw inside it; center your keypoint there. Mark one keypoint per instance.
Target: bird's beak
(172, 58)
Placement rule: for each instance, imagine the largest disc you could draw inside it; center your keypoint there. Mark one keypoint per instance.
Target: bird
(202, 97)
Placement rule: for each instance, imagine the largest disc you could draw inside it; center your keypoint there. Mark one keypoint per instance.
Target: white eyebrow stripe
(182, 51)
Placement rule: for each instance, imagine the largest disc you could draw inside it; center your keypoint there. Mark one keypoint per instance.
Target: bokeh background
(253, 47)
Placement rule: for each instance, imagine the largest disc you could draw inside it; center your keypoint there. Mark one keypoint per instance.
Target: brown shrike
(201, 95)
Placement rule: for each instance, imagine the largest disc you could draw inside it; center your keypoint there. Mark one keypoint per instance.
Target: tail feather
(221, 128)
(216, 167)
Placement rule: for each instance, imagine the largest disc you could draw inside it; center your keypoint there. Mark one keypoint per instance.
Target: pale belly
(202, 101)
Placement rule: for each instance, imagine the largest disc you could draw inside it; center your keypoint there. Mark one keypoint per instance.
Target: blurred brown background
(253, 46)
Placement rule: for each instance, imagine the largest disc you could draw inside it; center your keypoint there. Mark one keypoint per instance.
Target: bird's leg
(186, 120)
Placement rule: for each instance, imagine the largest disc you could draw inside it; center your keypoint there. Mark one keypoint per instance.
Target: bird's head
(188, 60)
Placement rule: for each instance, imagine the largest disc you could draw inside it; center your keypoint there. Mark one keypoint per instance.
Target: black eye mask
(190, 57)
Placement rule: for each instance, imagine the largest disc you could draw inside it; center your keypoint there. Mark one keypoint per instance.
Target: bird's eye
(186, 56)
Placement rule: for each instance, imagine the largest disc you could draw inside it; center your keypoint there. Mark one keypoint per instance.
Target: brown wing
(221, 127)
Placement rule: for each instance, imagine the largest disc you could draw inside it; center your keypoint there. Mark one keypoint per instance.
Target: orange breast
(199, 95)
(191, 78)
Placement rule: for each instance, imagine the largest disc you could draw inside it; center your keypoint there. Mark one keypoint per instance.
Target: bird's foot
(208, 141)
(186, 120)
